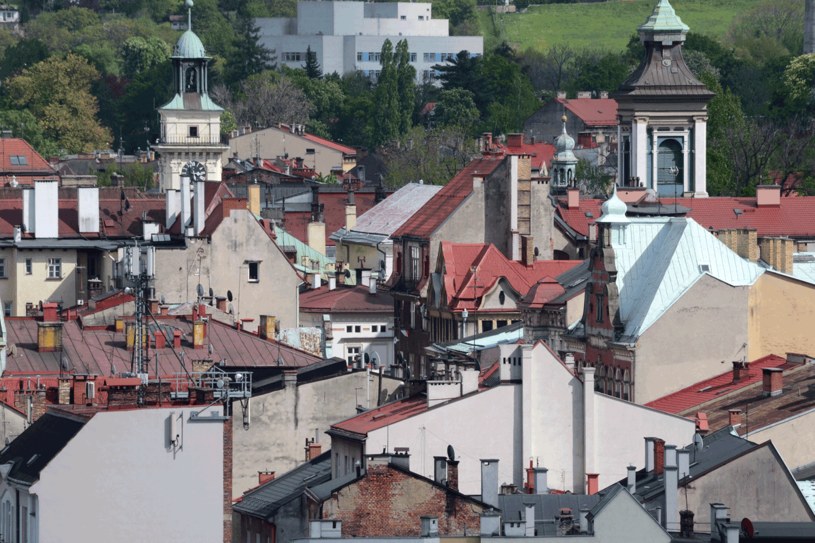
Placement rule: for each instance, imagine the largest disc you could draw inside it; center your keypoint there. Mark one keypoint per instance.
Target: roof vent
(704, 268)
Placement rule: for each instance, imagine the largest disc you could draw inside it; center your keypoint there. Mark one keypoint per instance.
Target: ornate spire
(189, 5)
(663, 19)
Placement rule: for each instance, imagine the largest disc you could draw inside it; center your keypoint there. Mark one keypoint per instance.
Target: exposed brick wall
(390, 502)
(39, 404)
(227, 496)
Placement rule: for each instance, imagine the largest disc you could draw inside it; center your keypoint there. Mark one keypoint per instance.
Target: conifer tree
(386, 118)
(406, 82)
(312, 67)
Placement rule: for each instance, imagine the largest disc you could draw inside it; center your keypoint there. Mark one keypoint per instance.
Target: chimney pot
(632, 479)
(773, 381)
(265, 476)
(592, 483)
(735, 417)
(572, 198)
(176, 339)
(452, 474)
(659, 456)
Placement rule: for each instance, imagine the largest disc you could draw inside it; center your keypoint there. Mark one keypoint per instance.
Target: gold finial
(564, 118)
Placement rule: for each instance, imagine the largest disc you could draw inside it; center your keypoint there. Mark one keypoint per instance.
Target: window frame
(54, 268)
(29, 266)
(192, 131)
(250, 276)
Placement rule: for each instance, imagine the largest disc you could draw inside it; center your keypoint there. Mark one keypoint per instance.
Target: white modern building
(347, 36)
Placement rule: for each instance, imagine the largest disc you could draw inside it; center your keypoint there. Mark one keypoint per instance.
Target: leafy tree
(509, 94)
(24, 125)
(598, 71)
(464, 72)
(799, 83)
(771, 28)
(724, 112)
(352, 126)
(433, 156)
(457, 11)
(406, 85)
(133, 104)
(213, 28)
(312, 67)
(386, 116)
(24, 53)
(326, 96)
(248, 56)
(266, 99)
(456, 108)
(63, 30)
(551, 70)
(57, 91)
(140, 54)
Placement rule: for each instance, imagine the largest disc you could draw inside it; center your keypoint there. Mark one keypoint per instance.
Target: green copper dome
(189, 46)
(663, 19)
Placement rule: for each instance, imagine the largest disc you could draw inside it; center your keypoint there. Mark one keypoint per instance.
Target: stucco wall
(282, 421)
(793, 438)
(117, 480)
(221, 264)
(483, 425)
(273, 142)
(624, 520)
(696, 338)
(18, 287)
(754, 485)
(782, 310)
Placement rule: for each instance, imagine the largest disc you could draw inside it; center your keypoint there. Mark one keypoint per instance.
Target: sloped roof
(392, 212)
(333, 201)
(34, 449)
(803, 266)
(431, 215)
(661, 259)
(794, 217)
(722, 385)
(104, 352)
(264, 501)
(592, 111)
(18, 159)
(472, 269)
(356, 299)
(382, 416)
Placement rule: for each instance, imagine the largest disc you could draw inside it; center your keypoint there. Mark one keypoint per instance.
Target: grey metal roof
(547, 508)
(661, 258)
(63, 243)
(265, 500)
(718, 448)
(392, 212)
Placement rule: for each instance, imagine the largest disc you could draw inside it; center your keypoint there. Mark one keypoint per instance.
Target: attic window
(310, 151)
(502, 297)
(19, 160)
(589, 214)
(704, 268)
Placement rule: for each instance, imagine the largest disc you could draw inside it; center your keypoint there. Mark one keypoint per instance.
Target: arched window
(600, 378)
(618, 381)
(670, 168)
(626, 385)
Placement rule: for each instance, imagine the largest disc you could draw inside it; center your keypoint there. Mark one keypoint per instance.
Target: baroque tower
(662, 112)
(190, 142)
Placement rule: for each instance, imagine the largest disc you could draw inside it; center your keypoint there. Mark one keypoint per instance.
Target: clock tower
(190, 142)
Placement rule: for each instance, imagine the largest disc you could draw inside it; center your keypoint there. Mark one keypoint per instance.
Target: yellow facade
(781, 312)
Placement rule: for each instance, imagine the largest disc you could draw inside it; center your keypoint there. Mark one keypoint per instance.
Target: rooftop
(592, 111)
(342, 299)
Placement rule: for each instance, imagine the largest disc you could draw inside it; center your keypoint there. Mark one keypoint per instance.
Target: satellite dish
(698, 442)
(229, 295)
(451, 453)
(162, 300)
(200, 290)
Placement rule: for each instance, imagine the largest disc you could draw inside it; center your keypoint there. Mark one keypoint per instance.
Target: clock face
(195, 171)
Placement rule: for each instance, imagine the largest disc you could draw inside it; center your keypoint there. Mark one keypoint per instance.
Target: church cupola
(613, 220)
(190, 142)
(564, 164)
(662, 112)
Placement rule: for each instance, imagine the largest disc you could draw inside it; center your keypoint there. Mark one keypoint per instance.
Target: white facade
(347, 36)
(120, 480)
(551, 417)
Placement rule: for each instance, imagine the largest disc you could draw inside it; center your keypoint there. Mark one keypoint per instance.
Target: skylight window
(19, 160)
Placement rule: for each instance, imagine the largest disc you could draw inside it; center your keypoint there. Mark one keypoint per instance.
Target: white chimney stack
(332, 282)
(489, 482)
(541, 480)
(28, 210)
(185, 203)
(46, 209)
(18, 234)
(632, 479)
(88, 209)
(173, 206)
(199, 213)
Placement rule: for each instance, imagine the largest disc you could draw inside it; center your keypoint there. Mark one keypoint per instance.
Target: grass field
(602, 25)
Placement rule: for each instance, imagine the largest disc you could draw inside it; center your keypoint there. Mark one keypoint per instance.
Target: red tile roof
(593, 111)
(344, 149)
(541, 152)
(296, 222)
(34, 166)
(356, 299)
(383, 416)
(103, 352)
(795, 216)
(425, 221)
(692, 397)
(543, 292)
(472, 269)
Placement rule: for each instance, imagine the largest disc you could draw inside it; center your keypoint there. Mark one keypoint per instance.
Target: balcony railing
(186, 140)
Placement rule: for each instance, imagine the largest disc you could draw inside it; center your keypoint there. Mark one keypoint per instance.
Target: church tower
(662, 113)
(190, 143)
(564, 163)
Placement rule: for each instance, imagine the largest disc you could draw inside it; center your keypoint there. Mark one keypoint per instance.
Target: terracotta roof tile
(690, 398)
(346, 300)
(383, 416)
(425, 221)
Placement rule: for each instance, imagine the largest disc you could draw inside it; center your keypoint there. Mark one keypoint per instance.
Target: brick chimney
(220, 303)
(515, 140)
(659, 456)
(268, 327)
(527, 250)
(768, 195)
(452, 474)
(735, 417)
(49, 330)
(739, 370)
(161, 341)
(572, 198)
(773, 381)
(313, 450)
(265, 476)
(742, 241)
(592, 483)
(176, 339)
(778, 253)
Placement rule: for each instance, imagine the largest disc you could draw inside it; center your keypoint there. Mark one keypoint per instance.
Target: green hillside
(602, 25)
